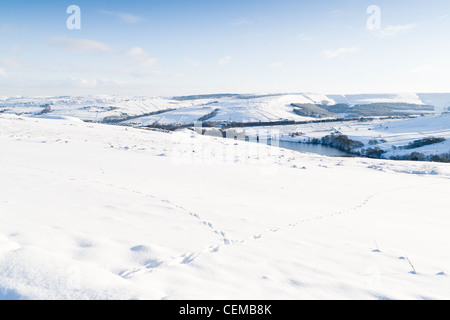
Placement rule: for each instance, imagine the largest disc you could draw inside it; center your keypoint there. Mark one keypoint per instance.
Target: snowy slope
(89, 211)
(265, 109)
(90, 108)
(353, 99)
(187, 115)
(390, 134)
(234, 108)
(440, 100)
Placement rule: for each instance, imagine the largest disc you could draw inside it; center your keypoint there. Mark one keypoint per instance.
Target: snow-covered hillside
(441, 101)
(89, 108)
(90, 211)
(390, 135)
(144, 111)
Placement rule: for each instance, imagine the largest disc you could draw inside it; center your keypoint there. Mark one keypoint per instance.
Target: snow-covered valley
(94, 211)
(397, 126)
(393, 138)
(229, 108)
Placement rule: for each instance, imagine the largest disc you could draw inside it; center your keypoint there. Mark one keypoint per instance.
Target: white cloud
(86, 83)
(391, 31)
(151, 74)
(140, 57)
(3, 73)
(224, 60)
(304, 37)
(124, 17)
(276, 65)
(193, 63)
(445, 16)
(81, 45)
(79, 82)
(15, 49)
(11, 62)
(333, 53)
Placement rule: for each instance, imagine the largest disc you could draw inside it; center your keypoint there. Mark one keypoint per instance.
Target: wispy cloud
(276, 65)
(81, 45)
(241, 22)
(391, 31)
(333, 53)
(3, 73)
(151, 74)
(304, 37)
(86, 83)
(224, 61)
(141, 57)
(124, 17)
(10, 62)
(193, 63)
(13, 50)
(445, 16)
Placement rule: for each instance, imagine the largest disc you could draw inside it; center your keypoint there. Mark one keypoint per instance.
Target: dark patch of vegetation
(445, 157)
(311, 110)
(47, 109)
(417, 156)
(174, 127)
(376, 141)
(374, 153)
(116, 119)
(167, 127)
(341, 142)
(314, 141)
(336, 108)
(422, 142)
(125, 117)
(102, 109)
(230, 125)
(378, 109)
(206, 96)
(209, 116)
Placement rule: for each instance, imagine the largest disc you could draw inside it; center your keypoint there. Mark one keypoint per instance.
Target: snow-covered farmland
(93, 211)
(144, 111)
(390, 135)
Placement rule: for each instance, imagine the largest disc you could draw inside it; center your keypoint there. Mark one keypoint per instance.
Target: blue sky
(193, 46)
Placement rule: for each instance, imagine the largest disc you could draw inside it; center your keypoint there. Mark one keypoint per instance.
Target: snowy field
(90, 211)
(187, 110)
(89, 108)
(388, 135)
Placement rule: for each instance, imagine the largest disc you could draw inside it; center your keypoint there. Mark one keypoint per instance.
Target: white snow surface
(239, 108)
(390, 134)
(354, 99)
(90, 211)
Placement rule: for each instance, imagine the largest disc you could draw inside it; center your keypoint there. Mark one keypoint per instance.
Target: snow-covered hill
(143, 111)
(392, 136)
(90, 211)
